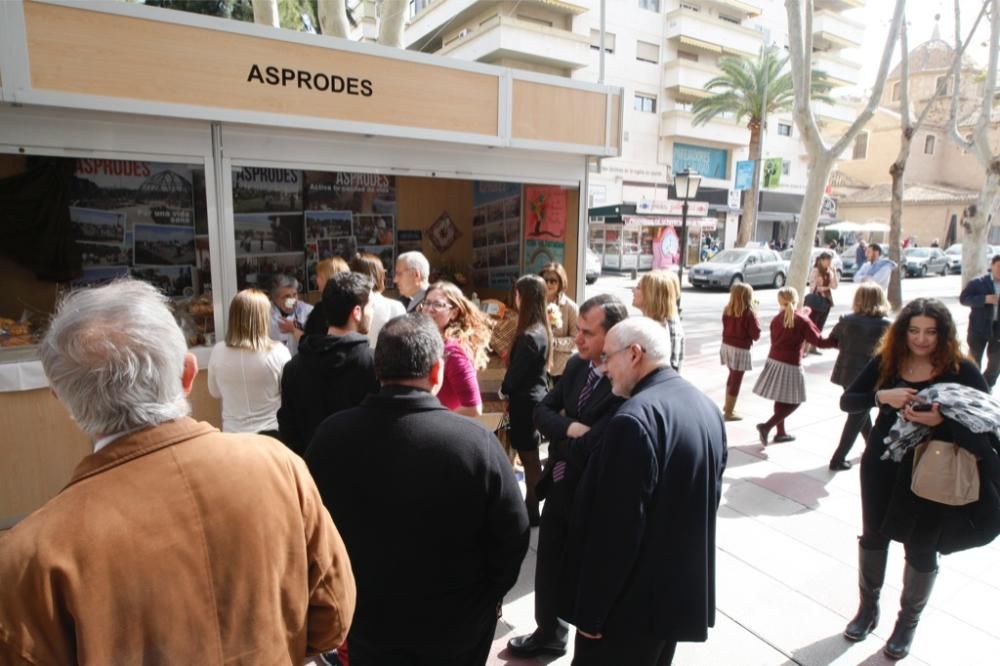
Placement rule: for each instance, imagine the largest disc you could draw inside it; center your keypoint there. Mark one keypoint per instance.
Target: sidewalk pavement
(786, 578)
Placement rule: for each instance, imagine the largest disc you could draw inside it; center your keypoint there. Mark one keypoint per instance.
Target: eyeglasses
(435, 305)
(607, 357)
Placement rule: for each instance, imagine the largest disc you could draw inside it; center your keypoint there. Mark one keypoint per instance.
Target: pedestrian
(172, 543)
(526, 382)
(823, 280)
(316, 323)
(571, 417)
(383, 309)
(740, 329)
(980, 296)
(288, 313)
(856, 336)
(782, 379)
(429, 507)
(332, 372)
(860, 254)
(466, 333)
(412, 278)
(657, 295)
(562, 312)
(244, 371)
(919, 350)
(935, 243)
(877, 268)
(640, 566)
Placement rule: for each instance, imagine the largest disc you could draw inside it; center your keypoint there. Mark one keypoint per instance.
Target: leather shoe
(532, 645)
(783, 438)
(840, 465)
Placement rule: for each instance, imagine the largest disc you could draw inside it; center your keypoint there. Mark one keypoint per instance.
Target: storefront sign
(704, 223)
(309, 80)
(672, 207)
(653, 173)
(744, 174)
(709, 162)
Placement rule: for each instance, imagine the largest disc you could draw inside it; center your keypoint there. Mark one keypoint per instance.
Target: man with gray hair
(172, 543)
(412, 278)
(429, 507)
(288, 313)
(640, 574)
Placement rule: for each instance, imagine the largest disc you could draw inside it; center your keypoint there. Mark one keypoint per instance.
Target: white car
(593, 266)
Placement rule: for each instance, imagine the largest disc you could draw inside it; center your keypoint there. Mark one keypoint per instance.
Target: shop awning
(699, 44)
(705, 223)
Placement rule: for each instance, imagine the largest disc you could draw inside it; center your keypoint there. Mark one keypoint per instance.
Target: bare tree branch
(956, 73)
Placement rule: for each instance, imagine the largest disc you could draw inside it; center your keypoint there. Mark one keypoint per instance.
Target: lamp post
(686, 187)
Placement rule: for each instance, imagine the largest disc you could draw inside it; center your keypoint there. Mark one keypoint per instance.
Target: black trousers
(857, 422)
(363, 653)
(621, 650)
(552, 535)
(977, 345)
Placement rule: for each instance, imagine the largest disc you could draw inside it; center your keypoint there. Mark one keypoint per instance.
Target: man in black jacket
(570, 417)
(980, 296)
(331, 372)
(640, 573)
(428, 507)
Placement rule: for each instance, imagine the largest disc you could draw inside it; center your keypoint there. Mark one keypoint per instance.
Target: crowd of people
(354, 506)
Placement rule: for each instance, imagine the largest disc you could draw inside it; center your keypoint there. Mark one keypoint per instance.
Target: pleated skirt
(735, 358)
(781, 382)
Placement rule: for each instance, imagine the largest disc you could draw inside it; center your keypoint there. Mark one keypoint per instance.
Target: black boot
(871, 574)
(917, 586)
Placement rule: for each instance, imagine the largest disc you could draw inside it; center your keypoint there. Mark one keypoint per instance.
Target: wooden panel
(80, 51)
(553, 113)
(423, 200)
(616, 112)
(42, 445)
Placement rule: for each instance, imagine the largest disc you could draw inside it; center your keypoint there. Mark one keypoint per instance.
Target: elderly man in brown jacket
(173, 543)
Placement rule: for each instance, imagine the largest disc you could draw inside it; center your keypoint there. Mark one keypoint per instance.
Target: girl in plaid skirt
(740, 329)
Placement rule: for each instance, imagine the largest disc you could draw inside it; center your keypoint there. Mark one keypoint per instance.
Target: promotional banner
(666, 248)
(744, 174)
(709, 162)
(772, 172)
(544, 227)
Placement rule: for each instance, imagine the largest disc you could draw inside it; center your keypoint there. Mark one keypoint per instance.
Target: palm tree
(745, 88)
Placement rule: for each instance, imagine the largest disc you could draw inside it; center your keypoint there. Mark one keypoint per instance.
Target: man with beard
(331, 372)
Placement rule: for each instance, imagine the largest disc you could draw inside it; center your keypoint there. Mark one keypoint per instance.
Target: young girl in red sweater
(782, 379)
(740, 329)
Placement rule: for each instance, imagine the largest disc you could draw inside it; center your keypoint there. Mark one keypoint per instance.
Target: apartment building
(662, 53)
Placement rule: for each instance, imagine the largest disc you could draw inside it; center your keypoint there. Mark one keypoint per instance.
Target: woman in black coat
(526, 381)
(919, 349)
(857, 335)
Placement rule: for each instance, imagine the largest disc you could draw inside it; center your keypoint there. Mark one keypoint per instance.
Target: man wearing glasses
(640, 570)
(412, 278)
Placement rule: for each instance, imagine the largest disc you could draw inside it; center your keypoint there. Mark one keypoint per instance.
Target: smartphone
(922, 407)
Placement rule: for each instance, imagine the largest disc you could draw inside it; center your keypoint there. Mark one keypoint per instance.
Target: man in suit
(569, 417)
(640, 573)
(412, 278)
(980, 296)
(429, 508)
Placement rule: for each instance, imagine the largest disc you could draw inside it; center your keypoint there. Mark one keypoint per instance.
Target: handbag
(945, 473)
(502, 433)
(817, 303)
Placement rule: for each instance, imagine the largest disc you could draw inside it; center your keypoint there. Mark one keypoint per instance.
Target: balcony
(737, 7)
(677, 123)
(834, 114)
(686, 80)
(833, 31)
(841, 72)
(838, 5)
(707, 33)
(502, 37)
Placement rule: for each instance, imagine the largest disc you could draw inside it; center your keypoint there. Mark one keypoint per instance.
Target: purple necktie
(588, 388)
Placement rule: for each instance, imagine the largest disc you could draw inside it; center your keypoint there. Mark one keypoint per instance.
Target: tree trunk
(265, 12)
(897, 170)
(333, 18)
(976, 226)
(751, 197)
(812, 203)
(391, 22)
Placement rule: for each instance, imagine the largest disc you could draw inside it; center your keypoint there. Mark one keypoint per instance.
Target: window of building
(784, 129)
(691, 8)
(644, 103)
(687, 55)
(651, 5)
(941, 86)
(609, 41)
(860, 147)
(647, 52)
(895, 91)
(729, 19)
(929, 142)
(786, 168)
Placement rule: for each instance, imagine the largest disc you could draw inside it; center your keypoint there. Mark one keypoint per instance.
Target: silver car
(922, 261)
(756, 266)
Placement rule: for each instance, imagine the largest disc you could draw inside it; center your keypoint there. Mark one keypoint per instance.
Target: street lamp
(685, 187)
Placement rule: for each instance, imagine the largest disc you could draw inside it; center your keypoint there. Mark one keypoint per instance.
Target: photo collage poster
(346, 213)
(496, 234)
(136, 218)
(268, 225)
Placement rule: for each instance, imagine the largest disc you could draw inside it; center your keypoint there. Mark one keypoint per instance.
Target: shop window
(647, 52)
(784, 129)
(609, 41)
(644, 103)
(651, 5)
(860, 151)
(929, 142)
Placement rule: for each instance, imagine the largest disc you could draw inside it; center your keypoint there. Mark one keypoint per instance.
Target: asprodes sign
(301, 78)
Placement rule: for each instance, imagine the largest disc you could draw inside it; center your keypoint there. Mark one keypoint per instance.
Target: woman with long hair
(525, 383)
(857, 335)
(740, 329)
(245, 370)
(383, 309)
(317, 324)
(782, 379)
(563, 313)
(920, 349)
(656, 295)
(466, 332)
(823, 279)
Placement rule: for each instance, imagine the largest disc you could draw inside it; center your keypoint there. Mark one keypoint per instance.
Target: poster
(268, 233)
(666, 248)
(409, 240)
(163, 246)
(545, 213)
(145, 192)
(262, 190)
(537, 253)
(772, 172)
(496, 234)
(744, 175)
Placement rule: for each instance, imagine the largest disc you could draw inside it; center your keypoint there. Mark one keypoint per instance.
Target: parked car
(593, 269)
(848, 263)
(837, 264)
(921, 261)
(756, 266)
(954, 255)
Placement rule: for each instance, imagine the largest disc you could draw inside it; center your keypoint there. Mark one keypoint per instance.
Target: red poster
(545, 213)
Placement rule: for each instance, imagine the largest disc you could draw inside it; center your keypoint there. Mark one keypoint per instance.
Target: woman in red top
(782, 379)
(740, 329)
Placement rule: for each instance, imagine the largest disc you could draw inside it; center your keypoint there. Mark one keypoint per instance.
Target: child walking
(782, 379)
(740, 329)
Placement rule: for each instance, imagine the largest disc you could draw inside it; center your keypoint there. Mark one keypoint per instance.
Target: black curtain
(35, 228)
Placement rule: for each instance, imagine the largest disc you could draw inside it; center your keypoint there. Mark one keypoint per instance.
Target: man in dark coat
(980, 296)
(429, 509)
(640, 572)
(571, 417)
(331, 372)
